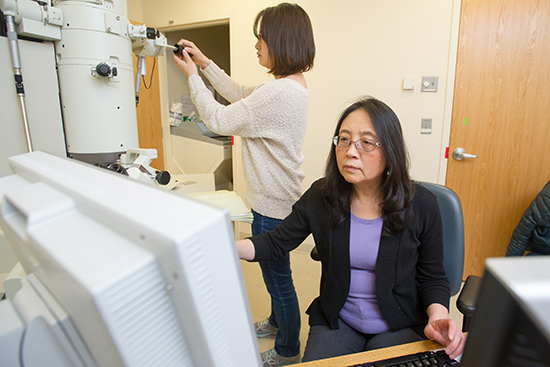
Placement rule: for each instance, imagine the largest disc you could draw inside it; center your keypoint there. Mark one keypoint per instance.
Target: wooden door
(149, 111)
(501, 112)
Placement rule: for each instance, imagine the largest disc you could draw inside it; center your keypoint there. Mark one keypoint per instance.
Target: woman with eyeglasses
(271, 119)
(380, 241)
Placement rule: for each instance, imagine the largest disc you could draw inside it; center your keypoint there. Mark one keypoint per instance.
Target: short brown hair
(287, 32)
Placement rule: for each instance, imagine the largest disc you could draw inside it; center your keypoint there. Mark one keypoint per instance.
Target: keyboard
(431, 358)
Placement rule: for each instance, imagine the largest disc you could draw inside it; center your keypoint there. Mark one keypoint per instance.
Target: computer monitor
(119, 273)
(511, 324)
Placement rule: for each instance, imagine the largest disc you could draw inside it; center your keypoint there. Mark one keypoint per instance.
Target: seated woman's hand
(446, 333)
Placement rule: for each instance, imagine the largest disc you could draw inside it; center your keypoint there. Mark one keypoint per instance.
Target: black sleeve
(292, 231)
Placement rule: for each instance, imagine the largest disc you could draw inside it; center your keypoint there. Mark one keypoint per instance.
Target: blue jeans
(285, 310)
(324, 342)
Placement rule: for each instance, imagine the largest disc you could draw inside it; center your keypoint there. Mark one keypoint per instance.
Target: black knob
(118, 168)
(179, 50)
(163, 177)
(103, 69)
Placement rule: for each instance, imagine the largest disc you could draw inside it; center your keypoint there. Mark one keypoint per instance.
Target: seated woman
(379, 238)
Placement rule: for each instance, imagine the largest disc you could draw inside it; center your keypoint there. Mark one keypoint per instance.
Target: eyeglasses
(365, 145)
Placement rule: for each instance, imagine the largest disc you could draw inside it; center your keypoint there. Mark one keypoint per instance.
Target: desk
(192, 183)
(375, 355)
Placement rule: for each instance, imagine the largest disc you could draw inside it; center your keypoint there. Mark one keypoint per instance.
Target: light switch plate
(408, 83)
(429, 83)
(426, 127)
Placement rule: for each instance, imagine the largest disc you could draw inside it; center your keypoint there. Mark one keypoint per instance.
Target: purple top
(361, 310)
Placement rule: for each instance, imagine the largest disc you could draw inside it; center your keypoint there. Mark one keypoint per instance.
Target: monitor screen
(511, 324)
(119, 273)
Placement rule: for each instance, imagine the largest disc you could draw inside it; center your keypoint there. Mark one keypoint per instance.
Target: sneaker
(271, 359)
(264, 328)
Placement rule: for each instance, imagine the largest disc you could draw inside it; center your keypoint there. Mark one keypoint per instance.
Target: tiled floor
(306, 275)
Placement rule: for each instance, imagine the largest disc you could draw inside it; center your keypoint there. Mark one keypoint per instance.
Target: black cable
(118, 168)
(152, 72)
(3, 29)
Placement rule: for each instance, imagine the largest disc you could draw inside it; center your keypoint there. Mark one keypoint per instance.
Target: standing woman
(379, 237)
(271, 119)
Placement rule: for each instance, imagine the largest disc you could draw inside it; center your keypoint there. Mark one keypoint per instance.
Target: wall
(363, 47)
(135, 10)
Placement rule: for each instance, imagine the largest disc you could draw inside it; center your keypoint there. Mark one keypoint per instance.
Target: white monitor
(119, 273)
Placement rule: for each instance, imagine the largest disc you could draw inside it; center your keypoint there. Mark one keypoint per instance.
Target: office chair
(453, 233)
(453, 242)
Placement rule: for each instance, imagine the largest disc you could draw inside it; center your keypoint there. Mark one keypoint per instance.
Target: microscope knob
(163, 177)
(103, 69)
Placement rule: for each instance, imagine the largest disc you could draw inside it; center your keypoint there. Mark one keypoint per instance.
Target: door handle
(459, 154)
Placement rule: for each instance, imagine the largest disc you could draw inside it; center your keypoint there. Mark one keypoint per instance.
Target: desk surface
(375, 355)
(192, 183)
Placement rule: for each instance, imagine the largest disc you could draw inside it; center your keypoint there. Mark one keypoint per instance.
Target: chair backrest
(453, 233)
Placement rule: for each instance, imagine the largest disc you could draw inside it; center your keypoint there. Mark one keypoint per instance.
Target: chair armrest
(314, 254)
(466, 302)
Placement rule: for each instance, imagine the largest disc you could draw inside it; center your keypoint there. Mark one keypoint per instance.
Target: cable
(152, 73)
(3, 30)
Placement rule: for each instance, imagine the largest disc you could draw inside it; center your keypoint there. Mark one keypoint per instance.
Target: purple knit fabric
(361, 309)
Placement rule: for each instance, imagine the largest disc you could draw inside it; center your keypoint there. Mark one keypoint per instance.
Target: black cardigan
(409, 269)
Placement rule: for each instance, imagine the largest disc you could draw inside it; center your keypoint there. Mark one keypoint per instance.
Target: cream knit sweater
(272, 120)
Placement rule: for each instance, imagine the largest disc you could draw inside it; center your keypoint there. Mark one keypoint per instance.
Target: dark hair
(397, 189)
(287, 32)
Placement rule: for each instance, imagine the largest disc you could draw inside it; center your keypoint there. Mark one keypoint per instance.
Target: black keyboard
(431, 358)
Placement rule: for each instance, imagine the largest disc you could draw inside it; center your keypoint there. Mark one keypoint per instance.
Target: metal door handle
(459, 154)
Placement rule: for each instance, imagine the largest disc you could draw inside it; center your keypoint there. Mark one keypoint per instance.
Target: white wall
(363, 47)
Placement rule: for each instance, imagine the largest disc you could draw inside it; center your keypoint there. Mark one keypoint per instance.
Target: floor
(306, 275)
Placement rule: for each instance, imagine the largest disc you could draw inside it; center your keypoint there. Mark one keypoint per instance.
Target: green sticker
(465, 121)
